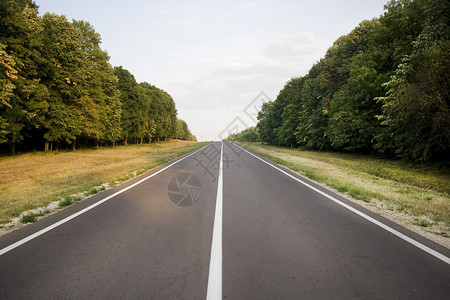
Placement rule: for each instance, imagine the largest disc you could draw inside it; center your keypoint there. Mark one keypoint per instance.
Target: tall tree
(290, 99)
(129, 97)
(21, 32)
(58, 87)
(352, 124)
(313, 114)
(101, 106)
(267, 123)
(416, 111)
(65, 80)
(183, 132)
(342, 104)
(7, 74)
(163, 114)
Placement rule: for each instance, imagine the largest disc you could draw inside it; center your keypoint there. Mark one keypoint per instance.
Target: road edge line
(65, 220)
(214, 291)
(361, 214)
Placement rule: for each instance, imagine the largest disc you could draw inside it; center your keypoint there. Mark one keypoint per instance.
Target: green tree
(163, 114)
(100, 102)
(313, 114)
(290, 99)
(267, 123)
(183, 132)
(250, 134)
(352, 122)
(416, 110)
(21, 33)
(66, 80)
(129, 96)
(59, 89)
(7, 74)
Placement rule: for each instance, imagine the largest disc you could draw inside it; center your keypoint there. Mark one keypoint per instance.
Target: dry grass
(418, 191)
(34, 180)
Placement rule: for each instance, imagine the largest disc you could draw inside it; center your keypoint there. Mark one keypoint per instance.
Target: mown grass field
(34, 180)
(421, 191)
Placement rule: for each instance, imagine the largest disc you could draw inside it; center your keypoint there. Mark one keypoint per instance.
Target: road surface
(219, 224)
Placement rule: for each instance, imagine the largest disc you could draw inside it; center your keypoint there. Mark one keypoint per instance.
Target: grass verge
(35, 180)
(420, 191)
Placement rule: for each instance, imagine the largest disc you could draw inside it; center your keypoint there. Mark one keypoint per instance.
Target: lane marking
(376, 222)
(215, 265)
(59, 223)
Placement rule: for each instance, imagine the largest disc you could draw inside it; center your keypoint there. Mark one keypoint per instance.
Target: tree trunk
(13, 148)
(46, 146)
(73, 145)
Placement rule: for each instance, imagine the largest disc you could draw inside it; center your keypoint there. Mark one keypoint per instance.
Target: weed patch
(423, 223)
(66, 201)
(32, 216)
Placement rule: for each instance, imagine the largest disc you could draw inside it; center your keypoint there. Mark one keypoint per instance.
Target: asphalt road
(279, 239)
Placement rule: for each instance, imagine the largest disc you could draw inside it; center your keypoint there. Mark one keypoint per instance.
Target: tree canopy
(58, 89)
(381, 89)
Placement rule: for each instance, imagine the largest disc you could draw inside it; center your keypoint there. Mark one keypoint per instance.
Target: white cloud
(295, 45)
(219, 92)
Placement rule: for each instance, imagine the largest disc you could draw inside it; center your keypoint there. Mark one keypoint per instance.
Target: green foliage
(66, 201)
(313, 114)
(416, 109)
(22, 60)
(288, 99)
(381, 89)
(132, 105)
(250, 134)
(163, 113)
(31, 217)
(422, 223)
(183, 132)
(268, 123)
(57, 87)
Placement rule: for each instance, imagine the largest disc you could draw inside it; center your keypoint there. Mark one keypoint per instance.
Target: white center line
(46, 229)
(361, 214)
(215, 265)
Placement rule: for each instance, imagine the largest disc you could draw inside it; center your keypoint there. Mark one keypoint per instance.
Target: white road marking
(384, 226)
(53, 226)
(215, 265)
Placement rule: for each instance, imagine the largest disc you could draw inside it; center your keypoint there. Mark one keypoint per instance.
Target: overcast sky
(216, 57)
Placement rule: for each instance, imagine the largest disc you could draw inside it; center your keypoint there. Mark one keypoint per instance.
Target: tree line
(58, 89)
(249, 135)
(381, 89)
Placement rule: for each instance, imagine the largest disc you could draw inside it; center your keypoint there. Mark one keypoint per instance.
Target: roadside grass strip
(361, 214)
(67, 219)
